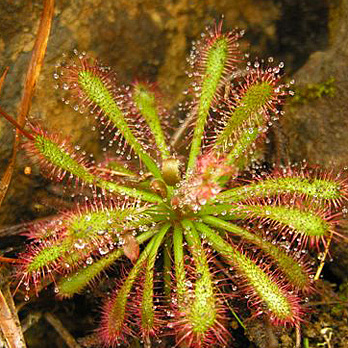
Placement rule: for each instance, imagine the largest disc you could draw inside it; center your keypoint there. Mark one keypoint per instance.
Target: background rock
(317, 130)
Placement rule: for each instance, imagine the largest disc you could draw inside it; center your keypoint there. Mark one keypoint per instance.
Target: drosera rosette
(147, 204)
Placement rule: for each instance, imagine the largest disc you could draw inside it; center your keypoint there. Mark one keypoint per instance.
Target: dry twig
(63, 332)
(9, 322)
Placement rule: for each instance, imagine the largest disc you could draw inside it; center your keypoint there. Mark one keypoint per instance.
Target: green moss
(314, 91)
(340, 309)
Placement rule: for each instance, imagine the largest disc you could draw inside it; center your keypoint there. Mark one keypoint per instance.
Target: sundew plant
(204, 234)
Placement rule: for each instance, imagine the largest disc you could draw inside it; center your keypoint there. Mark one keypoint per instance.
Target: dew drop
(89, 261)
(103, 250)
(79, 244)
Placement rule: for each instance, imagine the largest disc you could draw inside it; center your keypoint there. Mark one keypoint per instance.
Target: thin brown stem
(298, 337)
(322, 262)
(3, 76)
(63, 332)
(9, 322)
(181, 130)
(9, 260)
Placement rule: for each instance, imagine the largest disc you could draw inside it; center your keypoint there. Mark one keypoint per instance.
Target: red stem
(14, 123)
(9, 260)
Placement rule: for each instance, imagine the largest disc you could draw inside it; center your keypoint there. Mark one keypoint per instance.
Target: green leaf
(202, 312)
(296, 274)
(97, 92)
(319, 189)
(245, 118)
(217, 57)
(116, 314)
(146, 103)
(281, 305)
(63, 159)
(180, 275)
(75, 282)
